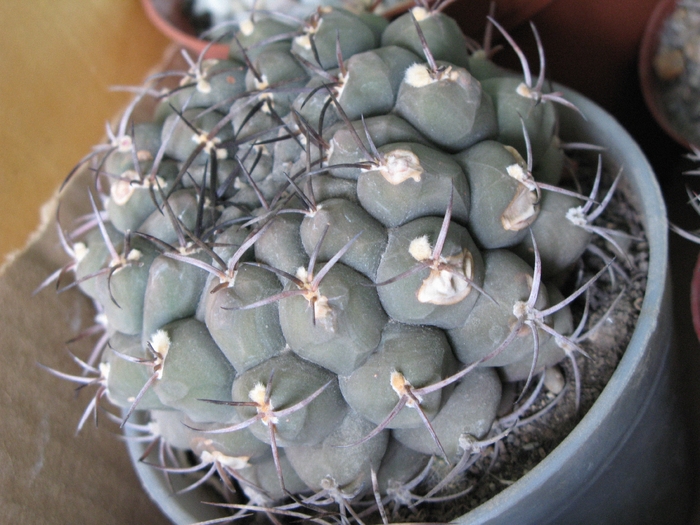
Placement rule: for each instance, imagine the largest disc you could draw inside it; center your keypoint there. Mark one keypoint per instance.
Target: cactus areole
(325, 259)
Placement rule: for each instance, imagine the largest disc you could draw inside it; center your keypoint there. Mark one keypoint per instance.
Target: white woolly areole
(467, 442)
(197, 74)
(521, 211)
(123, 188)
(321, 307)
(261, 84)
(420, 248)
(341, 82)
(525, 91)
(231, 462)
(302, 274)
(104, 372)
(160, 342)
(203, 86)
(247, 27)
(209, 144)
(304, 40)
(80, 250)
(134, 255)
(420, 13)
(577, 216)
(101, 319)
(418, 75)
(402, 387)
(257, 396)
(400, 165)
(154, 428)
(443, 286)
(520, 309)
(123, 143)
(144, 155)
(517, 172)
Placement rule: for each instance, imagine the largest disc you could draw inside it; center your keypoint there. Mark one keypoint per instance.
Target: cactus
(693, 236)
(319, 263)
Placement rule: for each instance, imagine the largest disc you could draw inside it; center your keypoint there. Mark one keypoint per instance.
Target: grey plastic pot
(627, 461)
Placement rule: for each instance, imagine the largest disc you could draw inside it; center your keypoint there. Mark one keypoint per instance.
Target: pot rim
(181, 36)
(653, 211)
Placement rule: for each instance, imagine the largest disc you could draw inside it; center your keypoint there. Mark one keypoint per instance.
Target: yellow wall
(58, 59)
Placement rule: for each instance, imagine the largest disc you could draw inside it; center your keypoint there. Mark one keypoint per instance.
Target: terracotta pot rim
(187, 40)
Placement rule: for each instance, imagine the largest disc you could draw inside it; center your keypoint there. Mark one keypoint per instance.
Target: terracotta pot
(695, 298)
(650, 83)
(590, 46)
(167, 16)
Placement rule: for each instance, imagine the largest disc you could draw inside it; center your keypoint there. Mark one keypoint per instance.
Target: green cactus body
(125, 378)
(172, 292)
(421, 355)
(551, 224)
(511, 106)
(293, 380)
(469, 410)
(133, 199)
(323, 28)
(442, 293)
(211, 83)
(308, 266)
(122, 290)
(447, 106)
(230, 327)
(502, 207)
(382, 130)
(91, 254)
(337, 326)
(508, 280)
(445, 39)
(328, 466)
(413, 181)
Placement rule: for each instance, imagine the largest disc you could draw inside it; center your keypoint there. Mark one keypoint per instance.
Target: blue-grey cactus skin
(314, 243)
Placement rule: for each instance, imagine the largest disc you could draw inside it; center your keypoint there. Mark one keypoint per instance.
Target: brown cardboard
(47, 473)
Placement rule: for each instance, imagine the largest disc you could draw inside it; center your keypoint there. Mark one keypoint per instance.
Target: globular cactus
(321, 260)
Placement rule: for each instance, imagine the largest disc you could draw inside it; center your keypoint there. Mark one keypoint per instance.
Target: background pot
(590, 46)
(627, 460)
(695, 297)
(168, 17)
(650, 83)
